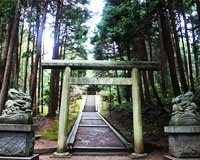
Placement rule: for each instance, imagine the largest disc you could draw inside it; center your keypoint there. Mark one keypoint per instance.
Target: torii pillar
(137, 116)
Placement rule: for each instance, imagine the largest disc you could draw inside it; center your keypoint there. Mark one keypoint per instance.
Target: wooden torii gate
(100, 65)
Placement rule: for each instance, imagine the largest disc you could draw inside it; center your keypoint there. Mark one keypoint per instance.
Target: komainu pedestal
(17, 139)
(184, 129)
(184, 141)
(16, 128)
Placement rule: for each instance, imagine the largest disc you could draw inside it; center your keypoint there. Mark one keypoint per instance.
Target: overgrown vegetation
(154, 120)
(51, 132)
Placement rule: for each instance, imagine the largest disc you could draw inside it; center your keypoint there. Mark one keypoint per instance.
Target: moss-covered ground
(51, 131)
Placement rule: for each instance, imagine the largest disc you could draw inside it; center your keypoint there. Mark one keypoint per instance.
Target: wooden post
(64, 114)
(137, 115)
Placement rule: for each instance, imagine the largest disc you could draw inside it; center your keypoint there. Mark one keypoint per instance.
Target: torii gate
(100, 65)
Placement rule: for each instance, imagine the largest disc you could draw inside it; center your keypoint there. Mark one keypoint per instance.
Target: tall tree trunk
(184, 53)
(170, 52)
(60, 73)
(146, 86)
(62, 57)
(151, 78)
(5, 51)
(20, 44)
(54, 81)
(142, 56)
(128, 88)
(32, 55)
(118, 93)
(27, 58)
(178, 53)
(15, 62)
(39, 86)
(1, 35)
(38, 50)
(188, 48)
(163, 60)
(42, 91)
(198, 8)
(116, 75)
(141, 88)
(7, 73)
(195, 49)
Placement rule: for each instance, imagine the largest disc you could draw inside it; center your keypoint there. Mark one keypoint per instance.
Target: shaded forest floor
(154, 137)
(155, 142)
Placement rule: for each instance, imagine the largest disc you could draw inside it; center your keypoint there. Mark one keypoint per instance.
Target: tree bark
(39, 86)
(198, 8)
(142, 56)
(141, 88)
(38, 51)
(195, 51)
(15, 62)
(1, 35)
(128, 88)
(146, 86)
(163, 60)
(178, 53)
(118, 93)
(170, 52)
(27, 57)
(184, 53)
(5, 50)
(7, 73)
(54, 81)
(151, 78)
(116, 75)
(20, 46)
(36, 32)
(188, 48)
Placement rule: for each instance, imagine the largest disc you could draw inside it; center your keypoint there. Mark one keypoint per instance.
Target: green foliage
(51, 133)
(75, 107)
(7, 11)
(46, 87)
(125, 107)
(27, 54)
(45, 110)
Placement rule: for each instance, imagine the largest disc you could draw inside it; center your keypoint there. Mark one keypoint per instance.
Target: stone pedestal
(17, 140)
(33, 157)
(184, 141)
(167, 157)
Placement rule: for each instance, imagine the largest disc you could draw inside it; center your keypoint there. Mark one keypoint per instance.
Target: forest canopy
(166, 31)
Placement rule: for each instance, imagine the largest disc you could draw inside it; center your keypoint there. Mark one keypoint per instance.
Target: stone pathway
(93, 134)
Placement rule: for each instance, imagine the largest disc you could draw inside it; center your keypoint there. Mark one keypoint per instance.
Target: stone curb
(45, 150)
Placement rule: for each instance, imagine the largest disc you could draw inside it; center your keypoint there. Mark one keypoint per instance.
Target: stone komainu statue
(184, 111)
(17, 109)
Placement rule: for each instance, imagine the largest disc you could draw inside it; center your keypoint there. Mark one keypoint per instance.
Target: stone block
(16, 141)
(167, 157)
(33, 157)
(184, 141)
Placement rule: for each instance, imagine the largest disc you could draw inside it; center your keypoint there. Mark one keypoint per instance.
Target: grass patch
(45, 110)
(51, 133)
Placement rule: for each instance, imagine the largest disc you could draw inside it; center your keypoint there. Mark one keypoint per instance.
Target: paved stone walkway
(93, 134)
